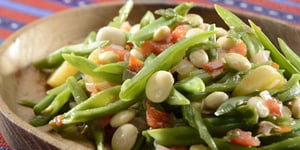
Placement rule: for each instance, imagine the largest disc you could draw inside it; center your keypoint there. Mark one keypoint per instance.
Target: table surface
(14, 14)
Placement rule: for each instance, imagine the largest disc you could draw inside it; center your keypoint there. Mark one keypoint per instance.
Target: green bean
(198, 123)
(287, 144)
(99, 136)
(112, 68)
(212, 52)
(176, 98)
(231, 104)
(290, 93)
(139, 142)
(290, 83)
(248, 114)
(40, 120)
(123, 15)
(87, 67)
(59, 101)
(183, 8)
(205, 76)
(27, 103)
(275, 53)
(177, 136)
(44, 103)
(171, 56)
(148, 18)
(90, 114)
(226, 86)
(55, 58)
(98, 100)
(76, 89)
(289, 53)
(190, 85)
(219, 126)
(277, 137)
(57, 90)
(280, 120)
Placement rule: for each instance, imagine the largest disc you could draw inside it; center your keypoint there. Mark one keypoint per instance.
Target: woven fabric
(14, 14)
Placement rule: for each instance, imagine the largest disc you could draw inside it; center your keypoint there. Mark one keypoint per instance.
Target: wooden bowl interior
(19, 80)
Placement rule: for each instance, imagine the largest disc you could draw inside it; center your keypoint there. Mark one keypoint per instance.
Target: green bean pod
(177, 136)
(176, 98)
(56, 58)
(98, 100)
(87, 67)
(112, 68)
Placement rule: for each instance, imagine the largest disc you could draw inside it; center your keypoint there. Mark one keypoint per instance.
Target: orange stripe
(44, 5)
(4, 33)
(15, 15)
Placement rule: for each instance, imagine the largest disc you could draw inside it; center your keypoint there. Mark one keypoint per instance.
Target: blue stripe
(25, 8)
(1, 41)
(73, 3)
(282, 15)
(287, 2)
(9, 24)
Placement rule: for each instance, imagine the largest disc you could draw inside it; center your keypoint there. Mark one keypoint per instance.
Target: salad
(173, 81)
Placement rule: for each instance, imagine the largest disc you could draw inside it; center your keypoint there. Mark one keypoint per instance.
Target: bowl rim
(11, 116)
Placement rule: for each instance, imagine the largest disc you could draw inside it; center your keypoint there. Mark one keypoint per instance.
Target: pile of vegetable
(173, 81)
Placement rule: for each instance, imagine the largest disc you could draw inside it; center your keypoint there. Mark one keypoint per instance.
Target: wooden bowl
(19, 80)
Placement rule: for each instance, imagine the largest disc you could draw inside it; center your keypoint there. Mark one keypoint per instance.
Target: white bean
(193, 19)
(108, 57)
(221, 32)
(237, 62)
(122, 117)
(113, 35)
(136, 53)
(159, 86)
(259, 105)
(225, 42)
(296, 108)
(161, 33)
(124, 137)
(184, 67)
(286, 111)
(214, 100)
(193, 31)
(199, 57)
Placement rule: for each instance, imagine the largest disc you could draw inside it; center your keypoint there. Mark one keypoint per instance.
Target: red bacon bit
(156, 118)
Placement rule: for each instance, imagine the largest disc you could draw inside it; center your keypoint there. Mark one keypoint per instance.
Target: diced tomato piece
(275, 106)
(179, 33)
(243, 138)
(240, 48)
(135, 64)
(149, 47)
(156, 118)
(213, 65)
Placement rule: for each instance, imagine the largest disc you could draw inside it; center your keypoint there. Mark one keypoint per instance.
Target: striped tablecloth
(14, 14)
